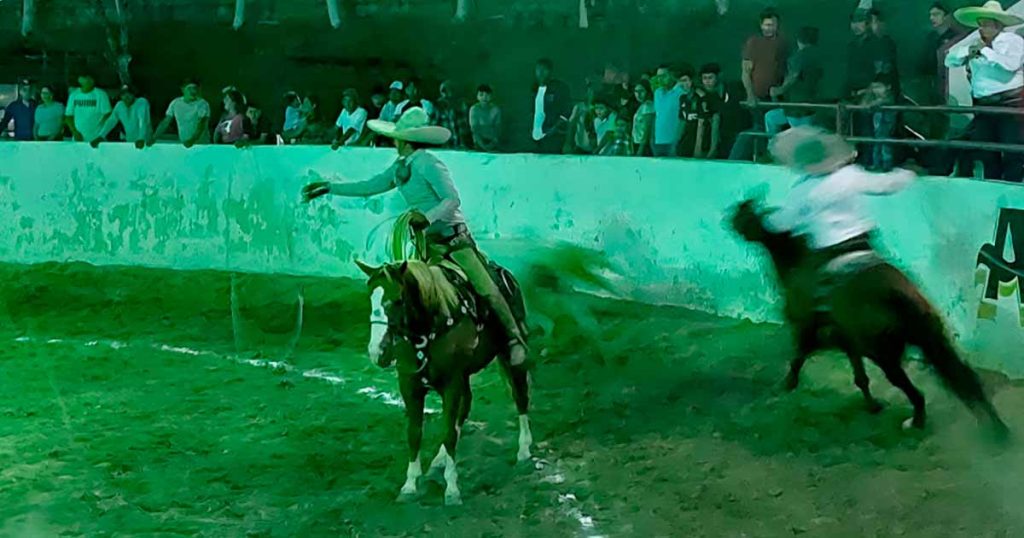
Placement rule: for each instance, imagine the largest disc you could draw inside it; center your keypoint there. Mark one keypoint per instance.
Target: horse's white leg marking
(525, 439)
(412, 474)
(452, 496)
(440, 459)
(378, 325)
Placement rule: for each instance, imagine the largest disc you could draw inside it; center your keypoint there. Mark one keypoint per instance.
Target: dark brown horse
(426, 321)
(874, 312)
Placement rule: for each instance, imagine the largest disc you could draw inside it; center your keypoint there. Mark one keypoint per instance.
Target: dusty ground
(680, 432)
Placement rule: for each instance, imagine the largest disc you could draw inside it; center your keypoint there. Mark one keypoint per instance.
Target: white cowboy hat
(969, 16)
(811, 150)
(413, 126)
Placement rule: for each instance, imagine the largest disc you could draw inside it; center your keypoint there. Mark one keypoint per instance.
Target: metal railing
(843, 126)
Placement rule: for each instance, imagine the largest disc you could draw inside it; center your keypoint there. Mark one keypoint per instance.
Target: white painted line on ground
(552, 473)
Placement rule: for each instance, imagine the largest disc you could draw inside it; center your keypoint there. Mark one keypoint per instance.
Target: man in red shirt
(764, 66)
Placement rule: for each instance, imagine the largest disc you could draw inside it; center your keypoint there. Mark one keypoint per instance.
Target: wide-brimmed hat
(969, 16)
(413, 126)
(810, 150)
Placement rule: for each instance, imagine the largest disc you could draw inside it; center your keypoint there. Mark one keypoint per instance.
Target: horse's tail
(926, 330)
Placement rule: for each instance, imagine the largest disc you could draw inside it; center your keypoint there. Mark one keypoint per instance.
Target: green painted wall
(662, 220)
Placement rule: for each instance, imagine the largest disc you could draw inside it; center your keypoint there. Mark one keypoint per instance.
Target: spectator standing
(351, 122)
(87, 109)
(867, 56)
(552, 106)
(413, 98)
(132, 112)
(721, 112)
(453, 114)
(881, 92)
(804, 72)
(311, 130)
(888, 45)
(485, 121)
(944, 33)
(22, 112)
(191, 114)
(668, 93)
(580, 137)
(691, 111)
(994, 58)
(604, 118)
(643, 118)
(396, 94)
(763, 67)
(231, 129)
(49, 117)
(292, 111)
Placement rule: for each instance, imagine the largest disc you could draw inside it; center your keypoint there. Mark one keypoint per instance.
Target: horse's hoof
(524, 457)
(875, 408)
(452, 499)
(913, 423)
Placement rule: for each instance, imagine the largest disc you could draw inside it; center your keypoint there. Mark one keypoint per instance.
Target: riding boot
(470, 263)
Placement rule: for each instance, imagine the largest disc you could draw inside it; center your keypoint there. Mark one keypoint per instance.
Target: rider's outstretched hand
(315, 190)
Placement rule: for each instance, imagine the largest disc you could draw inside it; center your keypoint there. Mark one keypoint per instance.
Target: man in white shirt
(351, 121)
(132, 112)
(191, 113)
(668, 128)
(87, 109)
(994, 58)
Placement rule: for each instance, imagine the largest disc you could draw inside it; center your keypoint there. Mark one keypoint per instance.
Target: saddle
(507, 284)
(839, 270)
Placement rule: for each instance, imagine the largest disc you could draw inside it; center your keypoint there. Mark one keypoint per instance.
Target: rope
(402, 235)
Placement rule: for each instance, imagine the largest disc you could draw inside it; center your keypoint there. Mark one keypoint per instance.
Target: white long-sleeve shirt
(135, 118)
(831, 209)
(997, 70)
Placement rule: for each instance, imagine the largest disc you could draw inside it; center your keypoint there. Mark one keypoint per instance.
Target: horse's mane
(436, 293)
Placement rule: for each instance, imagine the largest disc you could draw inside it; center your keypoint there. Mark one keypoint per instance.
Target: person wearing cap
(426, 185)
(191, 113)
(827, 204)
(351, 122)
(396, 94)
(87, 109)
(132, 112)
(994, 58)
(22, 112)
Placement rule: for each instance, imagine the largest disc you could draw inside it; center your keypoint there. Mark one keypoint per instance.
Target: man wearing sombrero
(827, 204)
(426, 185)
(994, 58)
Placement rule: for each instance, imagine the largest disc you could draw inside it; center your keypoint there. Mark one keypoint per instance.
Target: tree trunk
(28, 16)
(334, 13)
(239, 14)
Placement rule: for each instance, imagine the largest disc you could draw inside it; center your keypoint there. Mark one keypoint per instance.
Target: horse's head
(748, 222)
(404, 296)
(385, 285)
(788, 251)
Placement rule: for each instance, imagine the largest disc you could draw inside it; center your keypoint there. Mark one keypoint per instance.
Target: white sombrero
(969, 16)
(413, 126)
(811, 150)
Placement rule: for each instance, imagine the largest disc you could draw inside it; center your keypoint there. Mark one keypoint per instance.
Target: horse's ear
(404, 268)
(368, 269)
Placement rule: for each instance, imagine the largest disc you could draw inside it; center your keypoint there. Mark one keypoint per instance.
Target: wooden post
(239, 14)
(334, 13)
(28, 15)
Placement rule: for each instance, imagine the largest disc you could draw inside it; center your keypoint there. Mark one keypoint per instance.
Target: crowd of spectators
(674, 110)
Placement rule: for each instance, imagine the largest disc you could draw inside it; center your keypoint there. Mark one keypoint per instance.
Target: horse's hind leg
(519, 380)
(452, 398)
(860, 378)
(413, 397)
(898, 377)
(806, 342)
